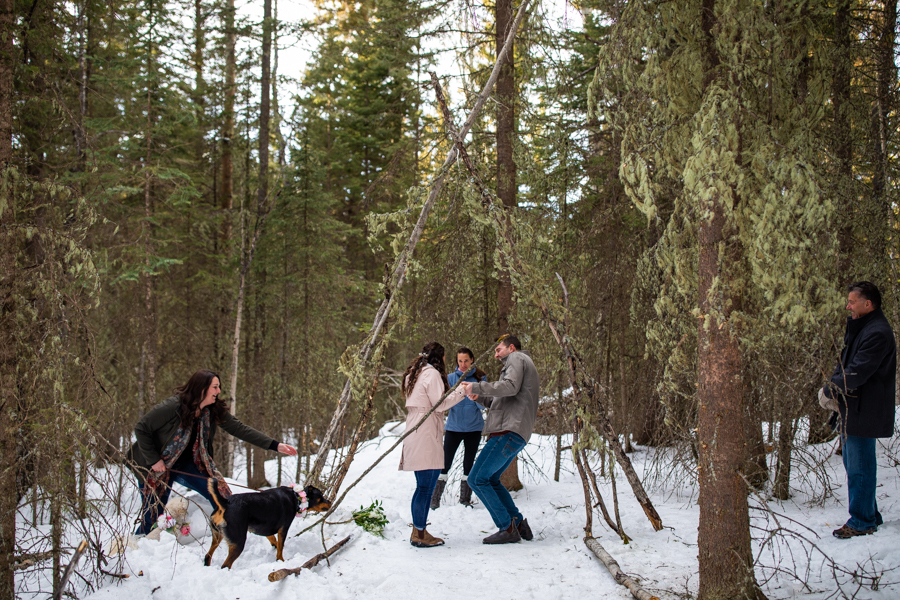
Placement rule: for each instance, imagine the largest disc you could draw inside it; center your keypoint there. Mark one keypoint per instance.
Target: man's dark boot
(524, 529)
(465, 493)
(436, 496)
(510, 535)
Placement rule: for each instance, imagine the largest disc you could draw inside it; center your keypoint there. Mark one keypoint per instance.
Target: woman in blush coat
(424, 384)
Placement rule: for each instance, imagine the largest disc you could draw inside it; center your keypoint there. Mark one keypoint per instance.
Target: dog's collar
(302, 503)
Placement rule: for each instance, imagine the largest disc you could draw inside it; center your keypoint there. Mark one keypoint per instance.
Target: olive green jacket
(156, 429)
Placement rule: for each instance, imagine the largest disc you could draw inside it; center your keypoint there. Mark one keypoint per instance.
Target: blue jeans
(859, 461)
(150, 510)
(484, 478)
(421, 501)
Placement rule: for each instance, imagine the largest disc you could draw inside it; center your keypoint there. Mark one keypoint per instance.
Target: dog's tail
(220, 502)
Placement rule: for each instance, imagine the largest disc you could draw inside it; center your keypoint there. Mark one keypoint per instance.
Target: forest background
(683, 188)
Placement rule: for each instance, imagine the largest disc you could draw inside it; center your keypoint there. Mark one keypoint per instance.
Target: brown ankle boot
(423, 539)
(510, 535)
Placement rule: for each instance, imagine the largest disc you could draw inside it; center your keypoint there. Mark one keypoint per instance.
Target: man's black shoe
(846, 532)
(524, 530)
(510, 535)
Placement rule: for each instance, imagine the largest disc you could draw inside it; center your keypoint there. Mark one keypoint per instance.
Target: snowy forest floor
(802, 559)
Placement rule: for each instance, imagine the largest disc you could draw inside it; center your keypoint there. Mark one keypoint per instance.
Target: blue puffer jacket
(465, 416)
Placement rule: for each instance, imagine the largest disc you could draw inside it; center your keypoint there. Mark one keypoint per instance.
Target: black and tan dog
(269, 513)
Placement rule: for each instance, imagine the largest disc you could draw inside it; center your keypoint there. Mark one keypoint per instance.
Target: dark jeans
(150, 510)
(452, 440)
(495, 457)
(859, 461)
(421, 500)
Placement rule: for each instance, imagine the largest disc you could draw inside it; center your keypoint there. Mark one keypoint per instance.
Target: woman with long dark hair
(175, 441)
(424, 384)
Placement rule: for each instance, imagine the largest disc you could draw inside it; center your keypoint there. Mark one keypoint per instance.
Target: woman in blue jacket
(464, 424)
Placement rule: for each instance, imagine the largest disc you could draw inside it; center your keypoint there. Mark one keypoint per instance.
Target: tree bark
(7, 50)
(262, 199)
(885, 104)
(757, 467)
(725, 554)
(506, 165)
(148, 351)
(782, 485)
(8, 398)
(843, 140)
(506, 181)
(228, 122)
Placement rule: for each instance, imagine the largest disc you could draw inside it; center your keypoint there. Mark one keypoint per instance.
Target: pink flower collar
(301, 494)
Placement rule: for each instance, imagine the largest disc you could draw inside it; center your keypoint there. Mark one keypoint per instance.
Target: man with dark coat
(862, 390)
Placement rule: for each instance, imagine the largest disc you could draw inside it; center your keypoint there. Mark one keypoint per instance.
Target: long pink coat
(424, 449)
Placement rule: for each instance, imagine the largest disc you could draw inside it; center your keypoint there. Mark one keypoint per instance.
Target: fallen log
(282, 573)
(616, 571)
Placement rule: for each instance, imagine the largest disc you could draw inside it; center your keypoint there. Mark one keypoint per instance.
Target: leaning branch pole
(395, 283)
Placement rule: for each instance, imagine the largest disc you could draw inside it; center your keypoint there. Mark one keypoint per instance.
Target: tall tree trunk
(782, 485)
(8, 397)
(226, 199)
(262, 193)
(843, 140)
(199, 92)
(228, 122)
(725, 555)
(80, 140)
(886, 77)
(506, 165)
(148, 351)
(757, 468)
(506, 181)
(885, 104)
(255, 413)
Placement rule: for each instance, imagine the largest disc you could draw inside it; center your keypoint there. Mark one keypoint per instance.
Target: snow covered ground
(556, 564)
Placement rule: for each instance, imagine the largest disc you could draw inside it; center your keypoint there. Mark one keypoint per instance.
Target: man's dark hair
(511, 340)
(866, 289)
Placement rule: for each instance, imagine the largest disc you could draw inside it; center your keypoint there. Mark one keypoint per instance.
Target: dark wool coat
(864, 380)
(154, 431)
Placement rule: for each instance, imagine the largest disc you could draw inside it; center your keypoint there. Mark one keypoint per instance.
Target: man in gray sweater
(512, 402)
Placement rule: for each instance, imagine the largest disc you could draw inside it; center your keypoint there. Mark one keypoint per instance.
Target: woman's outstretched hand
(285, 449)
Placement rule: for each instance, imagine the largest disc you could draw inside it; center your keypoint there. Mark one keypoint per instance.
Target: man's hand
(285, 449)
(159, 466)
(467, 387)
(828, 403)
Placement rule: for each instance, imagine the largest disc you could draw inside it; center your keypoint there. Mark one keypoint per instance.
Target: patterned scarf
(156, 481)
